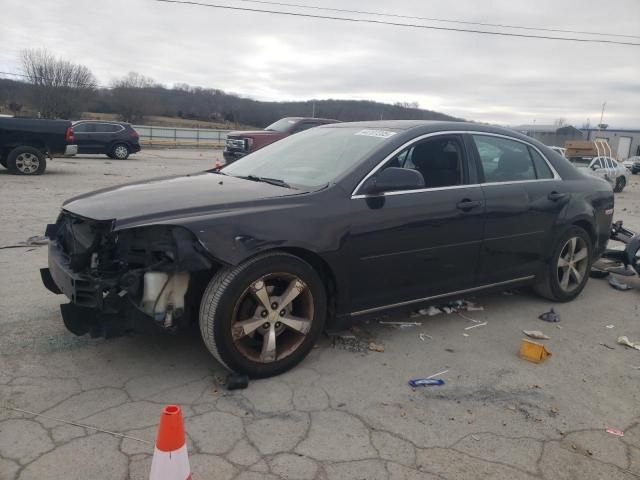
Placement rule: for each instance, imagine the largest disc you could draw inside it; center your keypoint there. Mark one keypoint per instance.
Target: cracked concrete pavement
(339, 415)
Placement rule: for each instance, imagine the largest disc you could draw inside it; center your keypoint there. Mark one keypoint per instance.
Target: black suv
(114, 139)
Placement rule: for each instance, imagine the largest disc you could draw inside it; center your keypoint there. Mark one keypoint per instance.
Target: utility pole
(602, 125)
(313, 114)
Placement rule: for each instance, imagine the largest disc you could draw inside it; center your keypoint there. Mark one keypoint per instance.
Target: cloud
(486, 78)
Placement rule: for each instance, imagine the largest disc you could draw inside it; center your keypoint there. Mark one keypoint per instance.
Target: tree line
(57, 88)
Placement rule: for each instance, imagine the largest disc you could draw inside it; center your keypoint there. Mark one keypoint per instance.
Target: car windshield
(282, 125)
(310, 159)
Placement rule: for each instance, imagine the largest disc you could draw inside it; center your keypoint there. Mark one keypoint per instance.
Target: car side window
(439, 160)
(504, 160)
(542, 169)
(84, 127)
(597, 164)
(106, 128)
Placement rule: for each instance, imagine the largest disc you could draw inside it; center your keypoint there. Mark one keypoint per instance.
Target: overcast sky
(486, 78)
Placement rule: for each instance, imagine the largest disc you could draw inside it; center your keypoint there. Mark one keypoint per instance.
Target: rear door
(406, 246)
(524, 199)
(105, 136)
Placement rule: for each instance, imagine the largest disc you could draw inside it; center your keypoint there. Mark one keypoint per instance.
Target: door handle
(467, 204)
(555, 196)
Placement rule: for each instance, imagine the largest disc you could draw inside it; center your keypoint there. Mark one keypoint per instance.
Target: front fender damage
(118, 281)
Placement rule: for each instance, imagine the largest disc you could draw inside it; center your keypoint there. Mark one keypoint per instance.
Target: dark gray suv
(115, 139)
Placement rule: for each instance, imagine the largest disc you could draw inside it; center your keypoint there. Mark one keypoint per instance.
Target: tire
(621, 182)
(229, 298)
(26, 161)
(551, 285)
(120, 151)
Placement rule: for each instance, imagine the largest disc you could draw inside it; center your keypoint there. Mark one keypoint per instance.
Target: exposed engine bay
(117, 279)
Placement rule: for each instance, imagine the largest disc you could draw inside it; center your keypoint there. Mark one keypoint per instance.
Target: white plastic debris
(536, 334)
(624, 340)
(476, 325)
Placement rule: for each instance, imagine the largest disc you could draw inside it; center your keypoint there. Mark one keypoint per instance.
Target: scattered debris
(476, 325)
(37, 241)
(536, 334)
(597, 273)
(431, 311)
(550, 316)
(618, 285)
(349, 342)
(236, 381)
(455, 306)
(475, 437)
(623, 270)
(400, 324)
(553, 412)
(607, 346)
(624, 340)
(426, 382)
(424, 335)
(375, 347)
(615, 431)
(610, 326)
(466, 335)
(533, 351)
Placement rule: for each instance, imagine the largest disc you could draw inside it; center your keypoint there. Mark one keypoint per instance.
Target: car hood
(254, 133)
(162, 200)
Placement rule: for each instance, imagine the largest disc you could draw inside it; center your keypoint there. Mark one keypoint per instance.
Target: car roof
(301, 119)
(114, 122)
(428, 126)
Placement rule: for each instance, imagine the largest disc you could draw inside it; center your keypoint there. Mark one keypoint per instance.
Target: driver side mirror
(393, 179)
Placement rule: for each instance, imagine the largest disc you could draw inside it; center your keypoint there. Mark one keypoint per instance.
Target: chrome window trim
(441, 295)
(354, 195)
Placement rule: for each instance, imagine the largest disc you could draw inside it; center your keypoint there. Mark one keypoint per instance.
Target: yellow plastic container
(533, 351)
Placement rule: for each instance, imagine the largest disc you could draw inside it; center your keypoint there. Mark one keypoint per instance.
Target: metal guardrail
(151, 136)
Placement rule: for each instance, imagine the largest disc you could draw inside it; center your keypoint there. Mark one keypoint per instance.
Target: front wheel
(26, 161)
(263, 316)
(568, 270)
(621, 182)
(120, 151)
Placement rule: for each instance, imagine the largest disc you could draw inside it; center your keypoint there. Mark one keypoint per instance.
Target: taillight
(135, 134)
(69, 135)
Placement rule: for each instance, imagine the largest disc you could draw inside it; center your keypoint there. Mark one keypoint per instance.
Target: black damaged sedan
(322, 228)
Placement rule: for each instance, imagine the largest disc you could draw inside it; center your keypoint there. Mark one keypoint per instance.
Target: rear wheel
(263, 317)
(568, 271)
(26, 161)
(120, 151)
(621, 182)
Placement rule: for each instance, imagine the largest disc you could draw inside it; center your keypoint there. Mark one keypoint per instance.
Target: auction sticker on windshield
(376, 133)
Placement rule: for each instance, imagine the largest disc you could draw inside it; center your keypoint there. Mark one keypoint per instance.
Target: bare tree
(560, 122)
(133, 96)
(61, 89)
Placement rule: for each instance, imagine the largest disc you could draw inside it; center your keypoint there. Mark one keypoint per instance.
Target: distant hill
(212, 105)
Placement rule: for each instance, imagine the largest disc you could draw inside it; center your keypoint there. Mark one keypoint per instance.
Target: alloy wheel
(572, 264)
(27, 163)
(272, 317)
(121, 152)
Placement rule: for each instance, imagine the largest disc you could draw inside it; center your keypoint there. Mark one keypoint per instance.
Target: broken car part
(550, 316)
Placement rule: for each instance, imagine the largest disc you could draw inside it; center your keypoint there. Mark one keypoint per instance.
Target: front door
(411, 245)
(524, 199)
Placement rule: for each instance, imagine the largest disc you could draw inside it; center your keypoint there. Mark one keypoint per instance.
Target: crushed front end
(120, 281)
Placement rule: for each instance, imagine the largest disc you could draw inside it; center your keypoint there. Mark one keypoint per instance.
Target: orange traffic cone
(170, 458)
